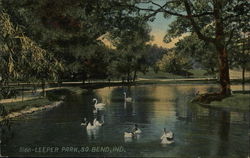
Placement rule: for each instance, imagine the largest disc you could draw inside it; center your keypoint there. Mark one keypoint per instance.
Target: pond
(198, 131)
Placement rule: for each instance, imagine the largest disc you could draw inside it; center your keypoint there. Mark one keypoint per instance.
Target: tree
(199, 52)
(174, 63)
(202, 17)
(131, 44)
(21, 57)
(153, 55)
(240, 56)
(69, 28)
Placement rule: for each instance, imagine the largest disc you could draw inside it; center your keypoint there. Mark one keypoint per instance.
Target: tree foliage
(214, 21)
(201, 54)
(175, 63)
(20, 56)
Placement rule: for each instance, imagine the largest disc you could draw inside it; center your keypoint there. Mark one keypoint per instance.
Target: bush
(7, 92)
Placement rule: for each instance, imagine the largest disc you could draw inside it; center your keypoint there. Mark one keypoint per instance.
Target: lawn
(197, 73)
(238, 102)
(52, 96)
(17, 106)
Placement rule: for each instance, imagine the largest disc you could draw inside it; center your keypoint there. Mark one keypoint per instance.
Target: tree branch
(162, 9)
(195, 25)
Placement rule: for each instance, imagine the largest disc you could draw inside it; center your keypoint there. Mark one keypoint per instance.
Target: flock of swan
(166, 138)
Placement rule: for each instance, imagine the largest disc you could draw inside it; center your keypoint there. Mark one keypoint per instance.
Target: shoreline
(234, 103)
(208, 106)
(31, 110)
(57, 95)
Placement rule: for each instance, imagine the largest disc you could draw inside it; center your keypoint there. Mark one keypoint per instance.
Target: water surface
(198, 131)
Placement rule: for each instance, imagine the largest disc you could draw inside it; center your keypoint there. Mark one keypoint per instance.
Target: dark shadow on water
(224, 130)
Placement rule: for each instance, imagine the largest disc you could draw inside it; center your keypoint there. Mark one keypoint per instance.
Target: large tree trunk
(223, 70)
(221, 49)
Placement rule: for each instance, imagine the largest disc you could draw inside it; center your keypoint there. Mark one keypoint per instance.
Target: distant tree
(131, 44)
(153, 54)
(174, 63)
(199, 52)
(240, 56)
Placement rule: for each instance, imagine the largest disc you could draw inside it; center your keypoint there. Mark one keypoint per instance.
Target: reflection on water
(198, 131)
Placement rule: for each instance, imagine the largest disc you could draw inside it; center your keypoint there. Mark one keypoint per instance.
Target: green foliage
(234, 15)
(153, 53)
(7, 92)
(174, 63)
(202, 55)
(20, 54)
(71, 31)
(131, 47)
(240, 52)
(21, 58)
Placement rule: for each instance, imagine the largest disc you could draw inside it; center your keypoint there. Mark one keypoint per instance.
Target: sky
(159, 29)
(159, 26)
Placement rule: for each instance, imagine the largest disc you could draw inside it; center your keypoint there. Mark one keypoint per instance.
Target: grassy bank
(18, 106)
(196, 73)
(236, 102)
(51, 97)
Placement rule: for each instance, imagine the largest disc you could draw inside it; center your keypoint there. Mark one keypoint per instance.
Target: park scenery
(124, 78)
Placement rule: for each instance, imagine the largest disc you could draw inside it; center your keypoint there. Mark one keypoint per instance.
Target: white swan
(135, 132)
(98, 105)
(90, 127)
(97, 123)
(127, 99)
(167, 137)
(138, 131)
(128, 134)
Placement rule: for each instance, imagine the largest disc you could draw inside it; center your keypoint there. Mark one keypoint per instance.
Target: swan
(138, 131)
(127, 99)
(135, 132)
(128, 134)
(167, 137)
(132, 134)
(97, 123)
(89, 126)
(98, 105)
